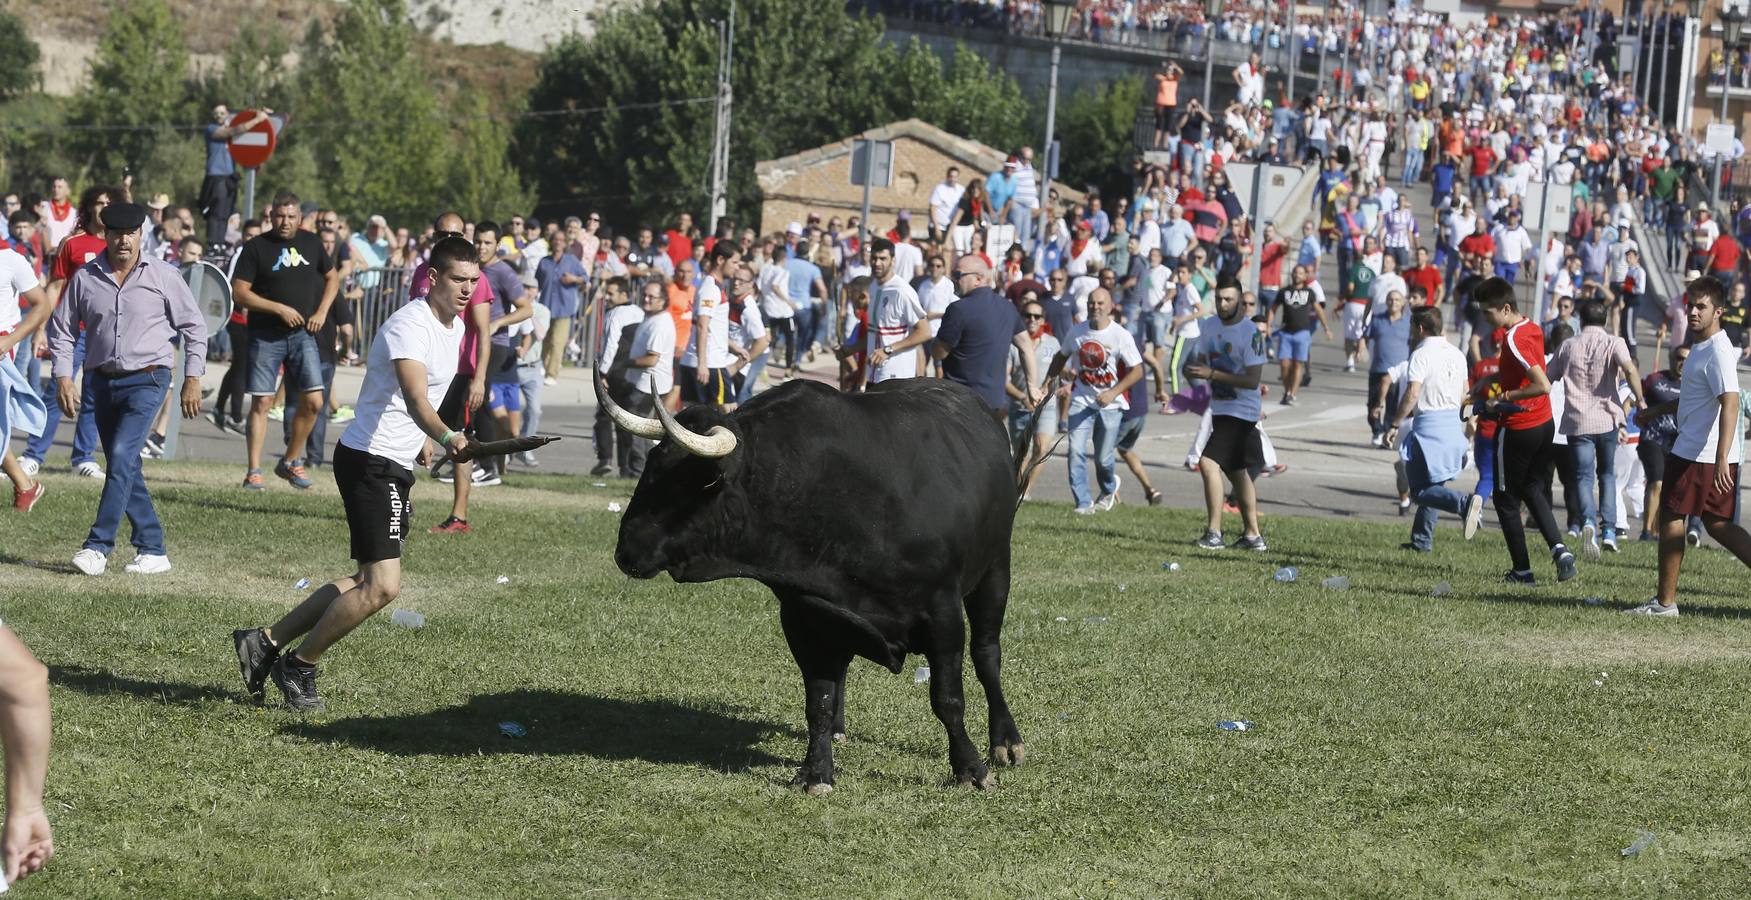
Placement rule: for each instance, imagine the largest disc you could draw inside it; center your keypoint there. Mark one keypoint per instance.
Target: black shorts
(454, 410)
(1653, 457)
(1234, 444)
(716, 391)
(377, 494)
(1164, 118)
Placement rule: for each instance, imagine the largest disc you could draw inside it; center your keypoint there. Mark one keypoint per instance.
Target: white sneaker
(550, 382)
(1590, 539)
(90, 561)
(1473, 516)
(148, 564)
(89, 469)
(1108, 501)
(29, 465)
(1653, 608)
(1085, 510)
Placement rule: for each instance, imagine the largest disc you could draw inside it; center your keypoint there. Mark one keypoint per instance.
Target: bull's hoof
(979, 777)
(1008, 755)
(820, 789)
(839, 737)
(812, 782)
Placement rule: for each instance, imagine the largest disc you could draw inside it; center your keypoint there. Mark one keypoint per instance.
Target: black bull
(874, 518)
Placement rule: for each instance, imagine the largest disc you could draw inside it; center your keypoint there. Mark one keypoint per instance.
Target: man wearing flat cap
(132, 307)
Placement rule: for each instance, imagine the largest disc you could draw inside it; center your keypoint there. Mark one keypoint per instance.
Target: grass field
(1405, 744)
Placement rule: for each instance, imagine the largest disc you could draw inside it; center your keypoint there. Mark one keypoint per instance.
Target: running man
(1702, 468)
(1230, 355)
(412, 362)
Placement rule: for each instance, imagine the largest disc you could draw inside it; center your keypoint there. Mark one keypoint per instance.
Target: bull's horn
(718, 442)
(637, 424)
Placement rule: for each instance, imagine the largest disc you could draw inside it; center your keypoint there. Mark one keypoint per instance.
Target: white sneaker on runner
(90, 561)
(148, 564)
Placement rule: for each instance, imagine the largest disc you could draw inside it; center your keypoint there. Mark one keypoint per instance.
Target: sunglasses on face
(1033, 316)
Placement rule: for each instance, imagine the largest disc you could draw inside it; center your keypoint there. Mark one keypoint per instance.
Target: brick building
(819, 180)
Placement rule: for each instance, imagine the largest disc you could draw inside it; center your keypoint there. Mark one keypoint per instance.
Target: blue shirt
(999, 189)
(559, 298)
(978, 329)
(218, 153)
(1389, 342)
(803, 275)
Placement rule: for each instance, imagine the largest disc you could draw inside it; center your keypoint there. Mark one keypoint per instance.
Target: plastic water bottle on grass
(407, 618)
(1287, 574)
(1337, 583)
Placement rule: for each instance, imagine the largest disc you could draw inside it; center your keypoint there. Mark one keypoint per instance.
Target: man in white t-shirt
(1433, 450)
(1513, 245)
(649, 372)
(748, 336)
(18, 281)
(1103, 364)
(908, 259)
(776, 308)
(897, 323)
(1702, 469)
(1230, 355)
(936, 293)
(396, 426)
(943, 200)
(620, 319)
(705, 363)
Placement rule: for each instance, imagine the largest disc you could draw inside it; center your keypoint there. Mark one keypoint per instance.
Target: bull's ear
(730, 465)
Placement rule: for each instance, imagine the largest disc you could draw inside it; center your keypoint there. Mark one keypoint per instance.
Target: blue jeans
(529, 379)
(1596, 452)
(1483, 454)
(125, 407)
(1023, 220)
(1105, 425)
(296, 352)
(805, 329)
(1413, 166)
(750, 376)
(85, 425)
(1430, 499)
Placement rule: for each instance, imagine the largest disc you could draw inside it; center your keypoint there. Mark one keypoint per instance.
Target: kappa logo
(290, 258)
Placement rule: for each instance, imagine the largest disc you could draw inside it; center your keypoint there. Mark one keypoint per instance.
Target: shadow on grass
(655, 731)
(58, 568)
(99, 682)
(1686, 609)
(181, 498)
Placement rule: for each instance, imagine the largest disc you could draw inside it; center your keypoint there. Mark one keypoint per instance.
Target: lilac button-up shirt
(128, 326)
(1588, 365)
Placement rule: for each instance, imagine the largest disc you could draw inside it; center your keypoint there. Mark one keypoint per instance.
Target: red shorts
(1689, 489)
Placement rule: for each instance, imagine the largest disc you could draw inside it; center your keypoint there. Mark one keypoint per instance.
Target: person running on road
(1301, 302)
(412, 363)
(1230, 355)
(1434, 449)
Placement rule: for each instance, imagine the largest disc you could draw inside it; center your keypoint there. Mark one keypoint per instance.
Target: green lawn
(1405, 744)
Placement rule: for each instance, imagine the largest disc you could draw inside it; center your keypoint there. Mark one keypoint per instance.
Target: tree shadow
(100, 682)
(559, 723)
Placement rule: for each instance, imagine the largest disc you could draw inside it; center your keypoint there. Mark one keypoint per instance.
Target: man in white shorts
(412, 362)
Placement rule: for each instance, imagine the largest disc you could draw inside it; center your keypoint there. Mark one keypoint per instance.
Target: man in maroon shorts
(1702, 470)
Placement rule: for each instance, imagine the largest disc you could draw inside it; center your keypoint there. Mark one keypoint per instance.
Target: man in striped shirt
(1401, 232)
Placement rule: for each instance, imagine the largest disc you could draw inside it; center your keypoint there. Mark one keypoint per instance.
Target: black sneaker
(298, 683)
(1520, 578)
(254, 657)
(1256, 543)
(602, 468)
(1565, 566)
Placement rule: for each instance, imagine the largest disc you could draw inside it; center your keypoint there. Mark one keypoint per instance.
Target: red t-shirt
(1426, 277)
(1484, 368)
(1271, 264)
(1723, 254)
(1478, 245)
(680, 246)
(1188, 197)
(1482, 159)
(1522, 351)
(76, 251)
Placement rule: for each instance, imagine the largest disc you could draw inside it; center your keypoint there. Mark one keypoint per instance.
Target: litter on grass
(512, 729)
(1442, 589)
(301, 585)
(1170, 567)
(1643, 840)
(920, 674)
(504, 579)
(1094, 620)
(600, 484)
(1122, 588)
(613, 507)
(1235, 725)
(407, 618)
(1286, 574)
(1337, 583)
(1593, 601)
(1061, 619)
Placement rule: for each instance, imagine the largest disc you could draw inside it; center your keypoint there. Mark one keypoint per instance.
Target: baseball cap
(795, 228)
(1691, 275)
(158, 201)
(1011, 163)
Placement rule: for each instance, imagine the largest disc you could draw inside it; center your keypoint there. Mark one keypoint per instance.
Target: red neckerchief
(60, 209)
(1076, 247)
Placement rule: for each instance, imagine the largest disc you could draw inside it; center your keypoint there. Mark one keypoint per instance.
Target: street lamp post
(1212, 9)
(1665, 61)
(1057, 21)
(1733, 23)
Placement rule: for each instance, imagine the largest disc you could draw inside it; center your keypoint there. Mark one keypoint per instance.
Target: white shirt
(943, 200)
(1383, 285)
(708, 304)
(908, 260)
(1512, 244)
(938, 297)
(656, 334)
(774, 285)
(539, 321)
(1098, 359)
(746, 327)
(1440, 368)
(382, 425)
(1185, 302)
(893, 313)
(1710, 372)
(1234, 349)
(1160, 281)
(16, 279)
(614, 325)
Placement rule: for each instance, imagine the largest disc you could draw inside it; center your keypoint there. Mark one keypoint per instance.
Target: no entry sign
(251, 148)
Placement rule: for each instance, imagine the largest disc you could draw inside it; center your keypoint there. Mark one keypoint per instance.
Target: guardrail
(384, 290)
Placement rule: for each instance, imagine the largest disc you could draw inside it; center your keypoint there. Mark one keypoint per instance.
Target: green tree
(138, 82)
(804, 73)
(1095, 130)
(480, 180)
(21, 54)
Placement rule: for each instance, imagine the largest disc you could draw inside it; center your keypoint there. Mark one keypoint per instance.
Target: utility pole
(720, 144)
(1665, 53)
(1294, 48)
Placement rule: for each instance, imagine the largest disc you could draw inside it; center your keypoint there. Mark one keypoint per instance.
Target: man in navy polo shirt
(976, 334)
